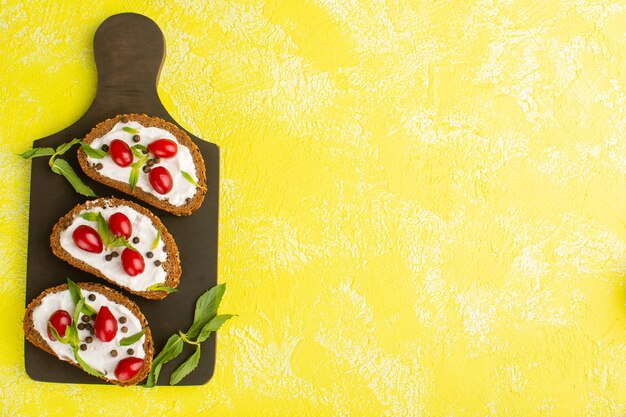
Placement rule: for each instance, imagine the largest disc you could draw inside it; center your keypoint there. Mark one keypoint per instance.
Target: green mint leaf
(171, 350)
(72, 335)
(127, 341)
(92, 152)
(85, 365)
(134, 177)
(64, 147)
(156, 241)
(206, 309)
(120, 241)
(61, 167)
(139, 150)
(79, 307)
(74, 291)
(189, 178)
(88, 310)
(212, 326)
(90, 216)
(140, 162)
(130, 130)
(77, 295)
(153, 375)
(56, 334)
(189, 365)
(36, 152)
(104, 230)
(161, 287)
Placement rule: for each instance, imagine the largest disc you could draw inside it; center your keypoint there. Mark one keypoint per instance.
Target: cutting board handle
(129, 50)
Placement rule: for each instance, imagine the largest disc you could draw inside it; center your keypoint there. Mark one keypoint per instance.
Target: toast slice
(157, 162)
(106, 359)
(130, 247)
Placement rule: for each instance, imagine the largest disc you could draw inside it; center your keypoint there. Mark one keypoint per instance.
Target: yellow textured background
(422, 203)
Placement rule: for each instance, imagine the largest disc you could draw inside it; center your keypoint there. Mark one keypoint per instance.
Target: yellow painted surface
(423, 204)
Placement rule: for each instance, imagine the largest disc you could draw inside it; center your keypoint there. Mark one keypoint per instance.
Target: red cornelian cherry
(105, 326)
(86, 238)
(161, 180)
(132, 262)
(120, 152)
(60, 319)
(120, 225)
(163, 148)
(127, 368)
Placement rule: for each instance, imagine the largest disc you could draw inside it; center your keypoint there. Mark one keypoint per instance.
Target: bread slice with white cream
(148, 158)
(121, 242)
(94, 328)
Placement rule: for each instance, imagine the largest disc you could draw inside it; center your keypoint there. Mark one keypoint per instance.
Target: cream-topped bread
(121, 242)
(148, 158)
(109, 337)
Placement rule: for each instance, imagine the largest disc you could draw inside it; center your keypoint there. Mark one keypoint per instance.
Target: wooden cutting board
(129, 50)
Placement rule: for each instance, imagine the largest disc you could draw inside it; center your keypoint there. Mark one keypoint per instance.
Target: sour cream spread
(183, 161)
(98, 354)
(112, 269)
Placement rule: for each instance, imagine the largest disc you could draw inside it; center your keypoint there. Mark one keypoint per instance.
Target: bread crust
(171, 265)
(36, 338)
(104, 127)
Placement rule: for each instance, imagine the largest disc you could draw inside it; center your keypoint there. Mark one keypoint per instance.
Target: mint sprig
(61, 166)
(127, 341)
(77, 296)
(205, 322)
(92, 152)
(161, 287)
